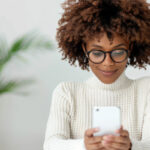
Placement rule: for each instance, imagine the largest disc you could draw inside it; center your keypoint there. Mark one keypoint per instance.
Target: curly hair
(83, 19)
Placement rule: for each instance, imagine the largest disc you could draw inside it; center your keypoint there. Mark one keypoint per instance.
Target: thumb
(121, 127)
(119, 130)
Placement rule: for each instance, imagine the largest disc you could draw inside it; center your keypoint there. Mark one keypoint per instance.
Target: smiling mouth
(108, 73)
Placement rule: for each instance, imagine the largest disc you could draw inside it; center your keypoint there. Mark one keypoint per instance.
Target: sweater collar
(120, 83)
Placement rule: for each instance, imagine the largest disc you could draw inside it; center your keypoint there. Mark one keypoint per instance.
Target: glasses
(98, 56)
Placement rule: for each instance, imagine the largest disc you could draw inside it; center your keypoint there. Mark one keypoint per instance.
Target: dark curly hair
(83, 19)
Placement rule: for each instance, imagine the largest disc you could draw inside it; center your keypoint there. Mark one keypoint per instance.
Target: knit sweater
(72, 104)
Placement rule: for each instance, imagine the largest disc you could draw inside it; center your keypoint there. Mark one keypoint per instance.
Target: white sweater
(72, 104)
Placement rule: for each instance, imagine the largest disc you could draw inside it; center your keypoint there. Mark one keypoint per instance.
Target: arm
(144, 144)
(57, 135)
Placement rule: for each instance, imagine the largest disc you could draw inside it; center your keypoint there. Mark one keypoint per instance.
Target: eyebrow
(113, 47)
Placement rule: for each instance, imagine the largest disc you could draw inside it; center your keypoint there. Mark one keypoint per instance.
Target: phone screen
(107, 118)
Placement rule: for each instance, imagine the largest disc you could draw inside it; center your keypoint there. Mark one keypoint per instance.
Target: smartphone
(108, 119)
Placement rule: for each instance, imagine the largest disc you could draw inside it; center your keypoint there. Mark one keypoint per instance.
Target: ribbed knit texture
(72, 104)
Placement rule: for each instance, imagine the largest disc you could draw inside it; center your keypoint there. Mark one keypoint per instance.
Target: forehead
(104, 39)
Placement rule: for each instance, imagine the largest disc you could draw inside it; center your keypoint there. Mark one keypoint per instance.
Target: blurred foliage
(30, 41)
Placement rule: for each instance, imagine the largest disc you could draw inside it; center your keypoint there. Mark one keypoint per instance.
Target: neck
(121, 82)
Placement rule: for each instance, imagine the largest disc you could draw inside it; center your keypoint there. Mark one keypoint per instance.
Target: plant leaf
(26, 42)
(10, 86)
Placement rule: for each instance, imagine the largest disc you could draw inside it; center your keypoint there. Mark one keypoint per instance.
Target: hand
(93, 142)
(122, 142)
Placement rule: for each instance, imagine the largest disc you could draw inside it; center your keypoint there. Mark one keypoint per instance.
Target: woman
(104, 36)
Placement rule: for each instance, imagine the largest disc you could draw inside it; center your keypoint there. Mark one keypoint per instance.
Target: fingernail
(97, 129)
(105, 137)
(117, 131)
(104, 142)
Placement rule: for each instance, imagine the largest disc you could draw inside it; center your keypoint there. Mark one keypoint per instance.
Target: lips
(108, 72)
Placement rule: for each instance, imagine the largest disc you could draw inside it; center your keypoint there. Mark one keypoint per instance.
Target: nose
(108, 61)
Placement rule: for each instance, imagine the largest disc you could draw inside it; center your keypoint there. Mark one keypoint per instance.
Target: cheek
(94, 66)
(120, 66)
(123, 65)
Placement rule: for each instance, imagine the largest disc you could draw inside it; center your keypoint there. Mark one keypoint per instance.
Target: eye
(118, 52)
(97, 53)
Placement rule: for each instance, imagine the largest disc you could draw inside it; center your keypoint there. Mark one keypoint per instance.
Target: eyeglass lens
(98, 56)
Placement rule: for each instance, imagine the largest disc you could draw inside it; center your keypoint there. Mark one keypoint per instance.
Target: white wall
(23, 118)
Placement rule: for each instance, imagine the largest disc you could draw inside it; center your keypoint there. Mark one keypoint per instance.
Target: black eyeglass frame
(110, 52)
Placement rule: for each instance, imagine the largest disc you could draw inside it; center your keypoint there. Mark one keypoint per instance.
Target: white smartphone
(108, 119)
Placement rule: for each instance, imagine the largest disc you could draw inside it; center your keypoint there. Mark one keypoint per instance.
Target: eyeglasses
(98, 56)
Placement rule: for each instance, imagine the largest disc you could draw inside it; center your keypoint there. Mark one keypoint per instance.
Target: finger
(120, 129)
(89, 132)
(96, 139)
(97, 146)
(115, 146)
(123, 132)
(117, 139)
(109, 148)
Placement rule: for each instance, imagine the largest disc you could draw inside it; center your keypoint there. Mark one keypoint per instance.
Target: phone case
(108, 119)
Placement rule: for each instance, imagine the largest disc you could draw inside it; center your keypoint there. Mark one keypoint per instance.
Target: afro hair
(84, 19)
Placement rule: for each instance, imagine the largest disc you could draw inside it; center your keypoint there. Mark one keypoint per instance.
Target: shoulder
(67, 87)
(66, 92)
(144, 88)
(143, 83)
(143, 80)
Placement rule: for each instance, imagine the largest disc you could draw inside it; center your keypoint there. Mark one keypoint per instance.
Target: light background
(23, 118)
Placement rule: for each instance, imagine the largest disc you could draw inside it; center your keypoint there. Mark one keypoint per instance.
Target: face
(107, 71)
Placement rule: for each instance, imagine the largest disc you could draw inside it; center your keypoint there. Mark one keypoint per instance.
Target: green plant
(24, 43)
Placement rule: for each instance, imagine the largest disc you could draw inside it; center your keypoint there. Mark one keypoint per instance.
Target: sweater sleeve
(57, 136)
(144, 144)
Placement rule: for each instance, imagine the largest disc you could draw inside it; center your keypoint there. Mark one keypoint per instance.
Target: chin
(108, 81)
